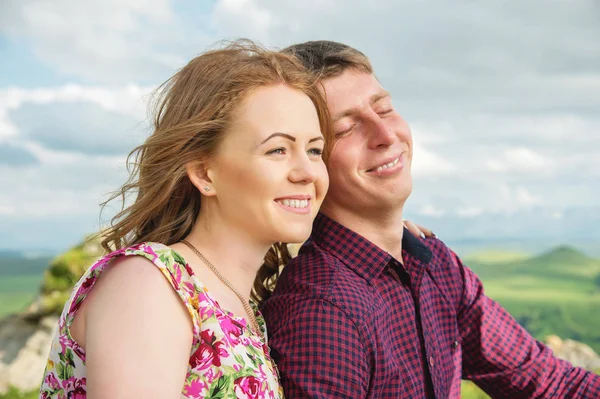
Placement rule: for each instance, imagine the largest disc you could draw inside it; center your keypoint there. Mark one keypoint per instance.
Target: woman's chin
(296, 236)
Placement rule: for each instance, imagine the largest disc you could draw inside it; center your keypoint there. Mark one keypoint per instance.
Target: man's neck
(384, 230)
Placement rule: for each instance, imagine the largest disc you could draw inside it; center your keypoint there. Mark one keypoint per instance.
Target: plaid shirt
(347, 320)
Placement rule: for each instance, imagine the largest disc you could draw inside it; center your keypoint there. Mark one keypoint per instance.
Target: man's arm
(319, 352)
(503, 359)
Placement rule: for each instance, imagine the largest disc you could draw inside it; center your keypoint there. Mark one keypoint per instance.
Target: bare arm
(138, 334)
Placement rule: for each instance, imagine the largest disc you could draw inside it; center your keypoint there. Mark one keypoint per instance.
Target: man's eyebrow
(374, 98)
(277, 134)
(379, 96)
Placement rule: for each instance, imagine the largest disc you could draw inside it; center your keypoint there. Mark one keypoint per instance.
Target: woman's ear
(200, 174)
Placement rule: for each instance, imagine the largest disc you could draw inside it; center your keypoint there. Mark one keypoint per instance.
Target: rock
(24, 347)
(25, 338)
(577, 353)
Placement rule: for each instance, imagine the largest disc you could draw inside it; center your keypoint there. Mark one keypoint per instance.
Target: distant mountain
(19, 265)
(9, 253)
(564, 254)
(551, 293)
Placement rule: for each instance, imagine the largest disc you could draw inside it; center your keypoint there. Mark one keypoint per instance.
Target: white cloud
(75, 118)
(102, 40)
(503, 97)
(430, 210)
(128, 99)
(426, 163)
(521, 160)
(246, 16)
(470, 212)
(525, 198)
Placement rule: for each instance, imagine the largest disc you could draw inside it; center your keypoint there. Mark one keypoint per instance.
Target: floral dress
(227, 360)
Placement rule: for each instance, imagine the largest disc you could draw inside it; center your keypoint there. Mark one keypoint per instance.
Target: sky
(503, 99)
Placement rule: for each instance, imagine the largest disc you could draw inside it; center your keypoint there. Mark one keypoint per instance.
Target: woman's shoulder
(132, 268)
(173, 265)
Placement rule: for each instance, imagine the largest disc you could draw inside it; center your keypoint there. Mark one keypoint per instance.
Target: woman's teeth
(294, 203)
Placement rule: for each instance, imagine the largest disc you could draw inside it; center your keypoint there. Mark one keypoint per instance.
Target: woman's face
(268, 175)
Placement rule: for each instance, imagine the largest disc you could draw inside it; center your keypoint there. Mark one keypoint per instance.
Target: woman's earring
(206, 188)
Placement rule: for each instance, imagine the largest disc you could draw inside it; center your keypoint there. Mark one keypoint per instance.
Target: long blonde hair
(192, 113)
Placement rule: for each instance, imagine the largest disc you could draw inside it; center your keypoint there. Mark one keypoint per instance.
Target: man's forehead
(352, 90)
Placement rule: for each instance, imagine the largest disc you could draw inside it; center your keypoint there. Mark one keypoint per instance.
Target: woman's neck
(236, 254)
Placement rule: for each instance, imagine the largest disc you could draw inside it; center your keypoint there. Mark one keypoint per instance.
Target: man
(367, 310)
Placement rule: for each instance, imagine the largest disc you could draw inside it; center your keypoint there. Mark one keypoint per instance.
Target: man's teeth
(294, 203)
(388, 165)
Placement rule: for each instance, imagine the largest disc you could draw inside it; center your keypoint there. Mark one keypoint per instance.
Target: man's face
(369, 167)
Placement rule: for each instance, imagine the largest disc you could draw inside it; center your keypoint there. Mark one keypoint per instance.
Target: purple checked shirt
(347, 320)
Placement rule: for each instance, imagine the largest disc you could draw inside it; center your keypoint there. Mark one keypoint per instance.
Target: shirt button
(431, 362)
(456, 344)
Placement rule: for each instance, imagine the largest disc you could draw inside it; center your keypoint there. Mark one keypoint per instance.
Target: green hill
(19, 281)
(556, 292)
(51, 280)
(553, 293)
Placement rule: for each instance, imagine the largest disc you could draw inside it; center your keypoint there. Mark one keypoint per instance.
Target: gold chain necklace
(245, 303)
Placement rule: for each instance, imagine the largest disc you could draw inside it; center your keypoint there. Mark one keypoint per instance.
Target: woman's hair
(193, 110)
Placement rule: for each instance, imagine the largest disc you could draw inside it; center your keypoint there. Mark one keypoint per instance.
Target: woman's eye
(315, 151)
(280, 150)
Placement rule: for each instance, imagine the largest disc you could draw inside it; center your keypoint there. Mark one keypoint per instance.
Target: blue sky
(503, 100)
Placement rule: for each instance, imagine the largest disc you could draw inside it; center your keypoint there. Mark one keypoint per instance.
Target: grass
(468, 391)
(17, 291)
(16, 394)
(554, 293)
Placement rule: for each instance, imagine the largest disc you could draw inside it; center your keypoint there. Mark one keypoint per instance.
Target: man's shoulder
(317, 275)
(445, 269)
(442, 256)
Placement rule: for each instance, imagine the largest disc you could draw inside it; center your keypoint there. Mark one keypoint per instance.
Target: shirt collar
(358, 253)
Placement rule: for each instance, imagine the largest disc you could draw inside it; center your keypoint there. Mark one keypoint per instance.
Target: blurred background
(503, 99)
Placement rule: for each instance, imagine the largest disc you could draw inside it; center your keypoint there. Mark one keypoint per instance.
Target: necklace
(245, 303)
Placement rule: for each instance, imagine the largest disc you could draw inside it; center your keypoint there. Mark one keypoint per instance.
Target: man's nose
(380, 135)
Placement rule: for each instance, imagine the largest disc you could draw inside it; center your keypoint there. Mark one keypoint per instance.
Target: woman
(233, 168)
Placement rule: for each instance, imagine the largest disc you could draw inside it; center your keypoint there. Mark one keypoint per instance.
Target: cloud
(470, 212)
(92, 120)
(426, 163)
(521, 160)
(81, 127)
(99, 40)
(13, 155)
(502, 98)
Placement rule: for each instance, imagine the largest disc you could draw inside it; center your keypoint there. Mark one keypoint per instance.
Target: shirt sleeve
(319, 352)
(504, 360)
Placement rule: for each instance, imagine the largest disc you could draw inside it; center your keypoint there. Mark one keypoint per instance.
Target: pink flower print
(209, 352)
(75, 385)
(189, 288)
(78, 393)
(247, 388)
(195, 387)
(177, 273)
(232, 329)
(63, 340)
(51, 381)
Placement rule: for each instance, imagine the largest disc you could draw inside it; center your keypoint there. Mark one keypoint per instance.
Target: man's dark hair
(327, 59)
